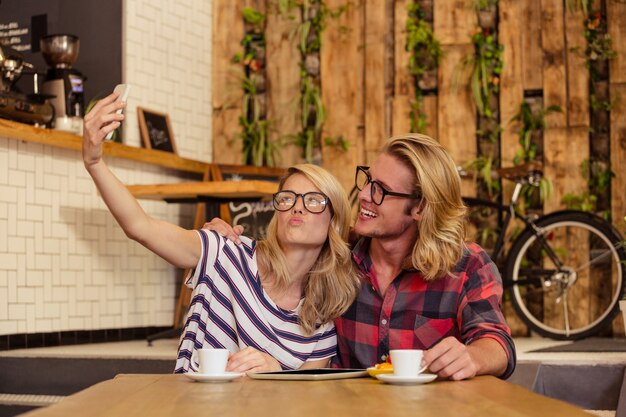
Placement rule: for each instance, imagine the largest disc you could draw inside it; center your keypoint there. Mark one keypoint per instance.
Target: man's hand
(224, 229)
(252, 360)
(452, 359)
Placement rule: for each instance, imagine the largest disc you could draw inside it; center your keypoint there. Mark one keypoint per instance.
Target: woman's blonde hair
(441, 228)
(332, 283)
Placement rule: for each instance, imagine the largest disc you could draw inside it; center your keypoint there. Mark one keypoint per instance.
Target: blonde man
(423, 288)
(271, 303)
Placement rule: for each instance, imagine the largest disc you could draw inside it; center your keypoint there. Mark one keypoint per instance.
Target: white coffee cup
(210, 361)
(407, 362)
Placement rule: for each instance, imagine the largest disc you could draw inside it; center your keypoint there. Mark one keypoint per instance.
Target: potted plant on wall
(425, 54)
(486, 12)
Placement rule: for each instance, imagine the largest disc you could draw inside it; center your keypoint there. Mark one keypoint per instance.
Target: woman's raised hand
(101, 120)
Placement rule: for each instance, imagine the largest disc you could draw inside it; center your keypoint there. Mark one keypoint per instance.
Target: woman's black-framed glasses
(378, 192)
(313, 202)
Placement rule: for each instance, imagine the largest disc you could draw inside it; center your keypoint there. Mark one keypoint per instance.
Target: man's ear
(416, 211)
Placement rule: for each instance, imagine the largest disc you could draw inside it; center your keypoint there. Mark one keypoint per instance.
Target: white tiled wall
(64, 262)
(167, 60)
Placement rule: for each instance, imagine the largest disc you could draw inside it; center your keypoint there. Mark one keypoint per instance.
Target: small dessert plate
(407, 380)
(225, 377)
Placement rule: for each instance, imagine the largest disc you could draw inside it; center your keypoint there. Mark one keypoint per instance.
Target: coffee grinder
(62, 81)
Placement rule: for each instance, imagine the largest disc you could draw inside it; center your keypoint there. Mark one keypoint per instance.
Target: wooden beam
(554, 74)
(375, 30)
(618, 157)
(577, 72)
(404, 89)
(340, 61)
(512, 77)
(616, 22)
(564, 151)
(227, 78)
(530, 36)
(283, 81)
(457, 111)
(454, 21)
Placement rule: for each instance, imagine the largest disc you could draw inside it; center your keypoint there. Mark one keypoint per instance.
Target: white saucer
(407, 380)
(226, 376)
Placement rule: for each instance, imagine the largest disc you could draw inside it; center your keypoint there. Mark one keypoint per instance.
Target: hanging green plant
(598, 175)
(486, 66)
(597, 53)
(532, 123)
(258, 150)
(425, 55)
(315, 14)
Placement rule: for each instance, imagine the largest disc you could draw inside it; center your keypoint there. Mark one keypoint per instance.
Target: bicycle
(560, 263)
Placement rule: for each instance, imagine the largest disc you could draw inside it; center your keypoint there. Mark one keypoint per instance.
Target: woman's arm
(174, 244)
(323, 363)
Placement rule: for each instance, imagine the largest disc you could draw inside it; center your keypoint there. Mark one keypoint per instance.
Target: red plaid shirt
(415, 314)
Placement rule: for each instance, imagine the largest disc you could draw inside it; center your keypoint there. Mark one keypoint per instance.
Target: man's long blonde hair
(332, 283)
(441, 229)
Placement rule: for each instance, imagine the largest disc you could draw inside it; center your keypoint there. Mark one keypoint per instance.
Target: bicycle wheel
(566, 278)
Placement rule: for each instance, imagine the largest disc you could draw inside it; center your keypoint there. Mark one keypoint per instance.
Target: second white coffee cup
(407, 362)
(210, 361)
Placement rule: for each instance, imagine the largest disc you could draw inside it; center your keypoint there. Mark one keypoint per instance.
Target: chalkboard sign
(156, 131)
(254, 216)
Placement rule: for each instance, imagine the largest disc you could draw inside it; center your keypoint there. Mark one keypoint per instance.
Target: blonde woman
(271, 303)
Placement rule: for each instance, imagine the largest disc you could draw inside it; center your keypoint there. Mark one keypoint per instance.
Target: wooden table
(176, 395)
(206, 190)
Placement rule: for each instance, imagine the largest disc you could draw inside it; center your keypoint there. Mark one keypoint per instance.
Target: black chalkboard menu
(254, 216)
(156, 130)
(98, 24)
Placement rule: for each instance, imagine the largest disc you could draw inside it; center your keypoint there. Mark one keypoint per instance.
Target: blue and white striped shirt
(229, 309)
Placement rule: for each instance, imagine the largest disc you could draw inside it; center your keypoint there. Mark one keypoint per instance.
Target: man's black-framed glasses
(313, 201)
(378, 192)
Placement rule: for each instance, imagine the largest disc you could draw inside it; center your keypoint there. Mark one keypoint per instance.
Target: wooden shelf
(228, 190)
(71, 141)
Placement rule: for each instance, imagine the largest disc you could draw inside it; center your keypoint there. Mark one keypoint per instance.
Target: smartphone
(123, 90)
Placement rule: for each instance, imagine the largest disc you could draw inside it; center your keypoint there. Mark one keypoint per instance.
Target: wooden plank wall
(616, 18)
(283, 83)
(367, 89)
(342, 89)
(358, 99)
(227, 93)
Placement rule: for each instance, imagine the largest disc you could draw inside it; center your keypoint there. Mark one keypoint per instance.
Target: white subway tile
(26, 295)
(34, 279)
(8, 261)
(9, 326)
(76, 323)
(4, 304)
(52, 310)
(17, 244)
(59, 294)
(17, 311)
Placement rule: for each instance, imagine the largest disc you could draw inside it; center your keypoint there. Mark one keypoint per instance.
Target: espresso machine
(15, 105)
(63, 81)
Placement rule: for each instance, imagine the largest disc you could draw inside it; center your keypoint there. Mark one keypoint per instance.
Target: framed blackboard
(156, 130)
(254, 216)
